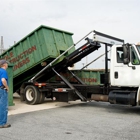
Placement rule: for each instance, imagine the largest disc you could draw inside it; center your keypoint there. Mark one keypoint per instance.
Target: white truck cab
(125, 65)
(122, 81)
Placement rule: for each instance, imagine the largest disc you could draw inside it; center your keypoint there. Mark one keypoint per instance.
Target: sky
(118, 18)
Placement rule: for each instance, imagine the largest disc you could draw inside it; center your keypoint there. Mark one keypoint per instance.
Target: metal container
(89, 76)
(35, 51)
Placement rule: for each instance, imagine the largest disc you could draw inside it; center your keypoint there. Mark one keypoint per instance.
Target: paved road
(88, 121)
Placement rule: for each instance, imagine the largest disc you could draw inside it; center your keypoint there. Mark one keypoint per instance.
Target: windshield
(138, 47)
(134, 56)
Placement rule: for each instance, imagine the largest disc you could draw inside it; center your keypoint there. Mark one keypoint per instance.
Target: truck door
(125, 74)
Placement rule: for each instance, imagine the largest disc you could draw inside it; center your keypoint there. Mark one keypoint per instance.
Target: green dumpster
(89, 76)
(35, 51)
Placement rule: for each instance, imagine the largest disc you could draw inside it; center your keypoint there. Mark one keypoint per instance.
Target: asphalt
(22, 107)
(72, 121)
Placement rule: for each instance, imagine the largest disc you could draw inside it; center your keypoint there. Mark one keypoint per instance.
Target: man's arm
(5, 83)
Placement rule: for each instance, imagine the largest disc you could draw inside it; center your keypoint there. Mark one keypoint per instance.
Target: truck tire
(42, 98)
(32, 95)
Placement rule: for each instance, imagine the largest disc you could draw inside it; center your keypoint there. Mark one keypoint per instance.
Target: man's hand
(7, 89)
(5, 84)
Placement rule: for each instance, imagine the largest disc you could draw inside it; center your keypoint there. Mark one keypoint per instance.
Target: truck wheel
(32, 95)
(42, 98)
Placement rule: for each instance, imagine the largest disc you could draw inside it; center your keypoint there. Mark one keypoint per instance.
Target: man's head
(4, 64)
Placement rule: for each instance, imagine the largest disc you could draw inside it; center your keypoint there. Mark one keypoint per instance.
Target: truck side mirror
(126, 53)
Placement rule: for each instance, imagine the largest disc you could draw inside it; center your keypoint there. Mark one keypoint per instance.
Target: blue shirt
(3, 74)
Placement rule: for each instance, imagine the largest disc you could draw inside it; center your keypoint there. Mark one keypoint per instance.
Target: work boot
(5, 126)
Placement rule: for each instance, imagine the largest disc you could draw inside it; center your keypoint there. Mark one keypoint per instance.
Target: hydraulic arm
(74, 57)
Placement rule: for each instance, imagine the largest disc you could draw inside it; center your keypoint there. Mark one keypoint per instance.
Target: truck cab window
(138, 47)
(119, 55)
(134, 57)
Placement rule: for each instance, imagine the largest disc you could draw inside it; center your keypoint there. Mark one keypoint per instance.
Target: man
(3, 94)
